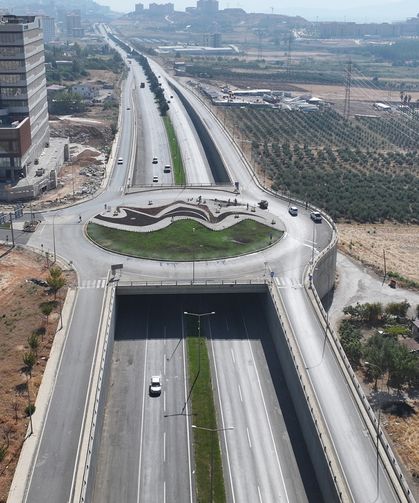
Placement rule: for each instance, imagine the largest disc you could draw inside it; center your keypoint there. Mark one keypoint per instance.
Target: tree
(403, 368)
(29, 360)
(398, 309)
(350, 338)
(46, 309)
(55, 280)
(67, 103)
(33, 341)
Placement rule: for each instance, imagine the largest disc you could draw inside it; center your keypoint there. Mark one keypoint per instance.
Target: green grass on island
(206, 444)
(186, 240)
(178, 171)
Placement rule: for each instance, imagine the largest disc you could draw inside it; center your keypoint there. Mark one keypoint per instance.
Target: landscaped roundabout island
(184, 231)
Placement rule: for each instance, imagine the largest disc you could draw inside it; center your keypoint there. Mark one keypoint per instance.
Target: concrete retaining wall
(310, 433)
(87, 468)
(325, 271)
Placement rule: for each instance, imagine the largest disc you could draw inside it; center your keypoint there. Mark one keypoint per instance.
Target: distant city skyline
(359, 10)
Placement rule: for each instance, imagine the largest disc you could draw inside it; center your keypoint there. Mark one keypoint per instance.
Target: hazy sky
(359, 10)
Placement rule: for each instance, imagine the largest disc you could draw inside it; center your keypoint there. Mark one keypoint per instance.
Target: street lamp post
(213, 431)
(53, 237)
(199, 316)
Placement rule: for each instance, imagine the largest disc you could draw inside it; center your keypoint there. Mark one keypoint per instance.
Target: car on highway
(155, 160)
(155, 179)
(293, 211)
(142, 85)
(128, 108)
(155, 386)
(316, 217)
(120, 161)
(167, 169)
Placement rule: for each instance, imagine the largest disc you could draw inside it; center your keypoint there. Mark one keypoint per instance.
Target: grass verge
(179, 172)
(206, 444)
(186, 240)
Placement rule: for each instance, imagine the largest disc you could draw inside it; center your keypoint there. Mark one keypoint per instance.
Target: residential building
(86, 91)
(207, 7)
(48, 28)
(24, 128)
(73, 24)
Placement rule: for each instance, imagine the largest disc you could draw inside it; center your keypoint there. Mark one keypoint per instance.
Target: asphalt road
(60, 230)
(51, 478)
(144, 455)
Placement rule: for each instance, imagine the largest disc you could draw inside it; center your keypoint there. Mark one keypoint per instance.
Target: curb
(24, 469)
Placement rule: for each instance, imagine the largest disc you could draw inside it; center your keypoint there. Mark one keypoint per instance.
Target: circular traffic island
(183, 232)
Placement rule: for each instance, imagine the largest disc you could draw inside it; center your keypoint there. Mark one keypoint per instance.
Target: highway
(263, 464)
(260, 428)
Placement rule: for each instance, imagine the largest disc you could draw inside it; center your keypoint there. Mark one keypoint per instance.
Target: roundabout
(185, 231)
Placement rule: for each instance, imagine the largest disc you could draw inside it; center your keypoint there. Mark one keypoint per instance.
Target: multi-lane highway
(244, 373)
(145, 456)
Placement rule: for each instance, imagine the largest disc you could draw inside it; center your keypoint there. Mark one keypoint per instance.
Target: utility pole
(348, 84)
(11, 229)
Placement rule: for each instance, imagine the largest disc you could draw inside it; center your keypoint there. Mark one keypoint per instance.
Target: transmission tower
(348, 83)
(289, 54)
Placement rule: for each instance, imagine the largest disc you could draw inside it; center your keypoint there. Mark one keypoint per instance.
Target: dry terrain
(20, 316)
(367, 243)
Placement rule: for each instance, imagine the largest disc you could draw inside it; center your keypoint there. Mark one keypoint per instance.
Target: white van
(120, 161)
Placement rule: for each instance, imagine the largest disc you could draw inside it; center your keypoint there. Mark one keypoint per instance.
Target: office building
(24, 130)
(48, 28)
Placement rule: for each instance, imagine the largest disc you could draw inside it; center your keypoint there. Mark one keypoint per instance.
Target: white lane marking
(142, 417)
(248, 437)
(232, 356)
(191, 495)
(260, 495)
(164, 401)
(164, 364)
(222, 418)
(264, 406)
(164, 447)
(240, 393)
(164, 492)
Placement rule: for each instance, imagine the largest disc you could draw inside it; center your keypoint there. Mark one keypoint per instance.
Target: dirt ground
(367, 243)
(20, 316)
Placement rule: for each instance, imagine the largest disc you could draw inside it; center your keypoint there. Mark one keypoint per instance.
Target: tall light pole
(213, 431)
(369, 364)
(193, 256)
(199, 316)
(53, 237)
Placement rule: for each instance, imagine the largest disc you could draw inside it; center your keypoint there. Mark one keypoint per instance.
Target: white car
(155, 386)
(316, 217)
(167, 169)
(155, 160)
(293, 210)
(155, 179)
(120, 161)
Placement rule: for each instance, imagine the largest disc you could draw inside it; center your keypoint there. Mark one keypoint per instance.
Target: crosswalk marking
(93, 283)
(288, 282)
